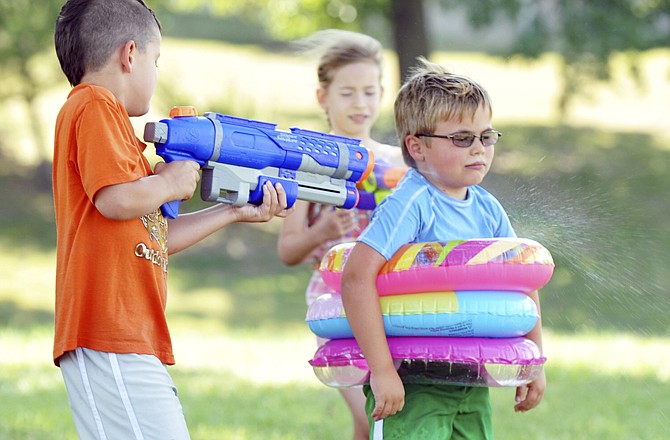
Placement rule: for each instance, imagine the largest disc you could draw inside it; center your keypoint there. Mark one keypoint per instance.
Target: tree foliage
(291, 19)
(397, 23)
(26, 31)
(586, 33)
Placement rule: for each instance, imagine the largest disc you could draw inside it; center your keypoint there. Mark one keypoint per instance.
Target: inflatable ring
(515, 264)
(428, 360)
(463, 314)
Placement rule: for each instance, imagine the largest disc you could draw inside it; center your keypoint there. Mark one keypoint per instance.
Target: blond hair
(432, 94)
(336, 48)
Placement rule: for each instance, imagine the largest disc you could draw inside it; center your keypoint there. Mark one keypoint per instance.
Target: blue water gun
(237, 156)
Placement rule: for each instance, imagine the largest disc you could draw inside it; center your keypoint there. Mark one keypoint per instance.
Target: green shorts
(436, 412)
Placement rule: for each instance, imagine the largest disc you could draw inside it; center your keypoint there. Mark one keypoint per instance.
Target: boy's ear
(128, 56)
(415, 147)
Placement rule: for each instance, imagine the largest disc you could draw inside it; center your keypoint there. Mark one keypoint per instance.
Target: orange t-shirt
(111, 276)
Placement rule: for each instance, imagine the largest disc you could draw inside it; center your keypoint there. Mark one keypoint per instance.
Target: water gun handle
(171, 209)
(158, 132)
(290, 187)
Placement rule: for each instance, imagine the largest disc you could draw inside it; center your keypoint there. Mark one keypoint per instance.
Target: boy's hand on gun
(274, 204)
(335, 223)
(181, 177)
(389, 393)
(530, 395)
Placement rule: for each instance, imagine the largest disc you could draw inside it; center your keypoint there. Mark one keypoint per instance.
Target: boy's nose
(477, 145)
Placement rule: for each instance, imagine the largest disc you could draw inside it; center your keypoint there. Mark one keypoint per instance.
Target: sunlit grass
(248, 386)
(27, 284)
(282, 358)
(611, 355)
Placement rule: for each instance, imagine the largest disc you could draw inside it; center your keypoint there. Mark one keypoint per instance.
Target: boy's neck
(110, 76)
(108, 80)
(458, 193)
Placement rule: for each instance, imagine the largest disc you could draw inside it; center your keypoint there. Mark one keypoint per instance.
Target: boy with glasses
(443, 122)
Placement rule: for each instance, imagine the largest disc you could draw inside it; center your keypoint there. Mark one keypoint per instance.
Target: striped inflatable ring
(499, 314)
(513, 264)
(509, 362)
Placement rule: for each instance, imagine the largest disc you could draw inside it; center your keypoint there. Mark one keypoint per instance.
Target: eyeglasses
(465, 140)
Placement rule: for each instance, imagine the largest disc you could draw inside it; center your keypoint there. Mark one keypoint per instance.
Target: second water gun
(378, 184)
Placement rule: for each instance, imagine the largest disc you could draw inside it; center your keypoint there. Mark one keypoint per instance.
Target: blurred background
(580, 91)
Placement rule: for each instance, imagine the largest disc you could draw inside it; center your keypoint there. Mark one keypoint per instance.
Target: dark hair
(89, 31)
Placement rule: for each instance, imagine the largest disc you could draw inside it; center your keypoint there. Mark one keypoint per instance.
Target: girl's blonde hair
(432, 94)
(336, 48)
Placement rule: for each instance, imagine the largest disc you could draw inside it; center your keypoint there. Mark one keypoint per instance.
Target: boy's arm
(361, 303)
(174, 181)
(530, 395)
(190, 228)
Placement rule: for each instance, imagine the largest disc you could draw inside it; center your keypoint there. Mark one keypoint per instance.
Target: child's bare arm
(361, 303)
(530, 395)
(190, 228)
(174, 181)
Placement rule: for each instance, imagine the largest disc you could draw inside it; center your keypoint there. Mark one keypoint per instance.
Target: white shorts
(122, 396)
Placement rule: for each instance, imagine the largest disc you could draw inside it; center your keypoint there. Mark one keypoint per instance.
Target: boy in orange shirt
(111, 337)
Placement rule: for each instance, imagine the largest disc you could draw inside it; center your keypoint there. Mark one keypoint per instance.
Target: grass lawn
(242, 367)
(249, 386)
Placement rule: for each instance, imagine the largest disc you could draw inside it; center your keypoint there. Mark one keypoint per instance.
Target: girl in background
(350, 92)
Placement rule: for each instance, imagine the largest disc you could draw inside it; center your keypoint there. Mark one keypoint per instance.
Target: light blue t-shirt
(418, 212)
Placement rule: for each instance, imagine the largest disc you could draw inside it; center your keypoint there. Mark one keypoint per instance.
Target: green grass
(242, 347)
(253, 385)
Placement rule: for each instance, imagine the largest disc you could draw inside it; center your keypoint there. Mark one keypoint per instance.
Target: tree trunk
(44, 152)
(409, 33)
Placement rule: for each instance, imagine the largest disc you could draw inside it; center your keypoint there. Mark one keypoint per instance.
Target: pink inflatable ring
(494, 362)
(514, 264)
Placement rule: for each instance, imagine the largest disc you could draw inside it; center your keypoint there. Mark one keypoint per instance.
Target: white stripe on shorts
(89, 393)
(122, 396)
(113, 360)
(378, 430)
